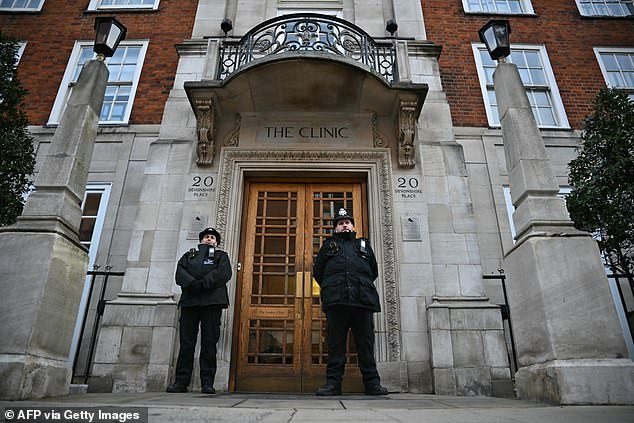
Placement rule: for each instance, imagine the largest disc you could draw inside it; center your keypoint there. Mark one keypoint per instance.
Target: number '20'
(404, 183)
(206, 181)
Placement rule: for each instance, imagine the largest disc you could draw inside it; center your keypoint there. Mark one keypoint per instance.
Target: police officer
(345, 269)
(202, 273)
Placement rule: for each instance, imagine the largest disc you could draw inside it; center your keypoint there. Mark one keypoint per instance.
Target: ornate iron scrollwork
(206, 131)
(309, 32)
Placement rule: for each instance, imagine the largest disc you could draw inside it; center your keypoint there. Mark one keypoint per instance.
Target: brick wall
(569, 39)
(52, 33)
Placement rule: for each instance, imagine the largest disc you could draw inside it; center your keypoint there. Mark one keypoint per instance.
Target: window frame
(614, 50)
(582, 13)
(559, 110)
(526, 5)
(96, 5)
(21, 48)
(65, 88)
(23, 9)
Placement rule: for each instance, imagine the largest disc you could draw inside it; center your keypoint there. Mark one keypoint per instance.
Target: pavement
(292, 408)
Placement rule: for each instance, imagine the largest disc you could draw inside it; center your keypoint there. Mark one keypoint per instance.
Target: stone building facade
(263, 129)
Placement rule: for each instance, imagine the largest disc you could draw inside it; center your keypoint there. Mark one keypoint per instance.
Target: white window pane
(541, 98)
(615, 79)
(525, 75)
(127, 72)
(628, 79)
(516, 7)
(489, 74)
(546, 116)
(614, 9)
(123, 94)
(118, 111)
(132, 55)
(609, 61)
(117, 57)
(538, 77)
(518, 58)
(19, 4)
(105, 111)
(532, 58)
(624, 61)
(502, 7)
(494, 108)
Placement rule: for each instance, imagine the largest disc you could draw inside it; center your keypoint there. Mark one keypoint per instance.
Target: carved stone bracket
(231, 140)
(206, 130)
(407, 132)
(379, 139)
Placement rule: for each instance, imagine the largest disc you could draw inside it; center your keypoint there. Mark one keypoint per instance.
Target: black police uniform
(345, 269)
(202, 274)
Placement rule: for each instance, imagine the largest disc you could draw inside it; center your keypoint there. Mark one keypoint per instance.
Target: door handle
(299, 285)
(311, 288)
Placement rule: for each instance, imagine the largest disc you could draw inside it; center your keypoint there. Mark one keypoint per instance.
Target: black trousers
(340, 319)
(208, 317)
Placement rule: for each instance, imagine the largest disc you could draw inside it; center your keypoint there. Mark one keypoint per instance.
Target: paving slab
(280, 408)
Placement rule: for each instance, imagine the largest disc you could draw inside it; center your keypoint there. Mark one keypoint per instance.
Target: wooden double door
(281, 329)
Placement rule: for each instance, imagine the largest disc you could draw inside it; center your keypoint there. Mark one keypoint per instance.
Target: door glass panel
(270, 341)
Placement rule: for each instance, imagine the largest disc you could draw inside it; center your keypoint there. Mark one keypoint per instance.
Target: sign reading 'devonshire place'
(201, 187)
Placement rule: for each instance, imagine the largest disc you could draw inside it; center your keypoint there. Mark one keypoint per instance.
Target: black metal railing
(101, 303)
(506, 318)
(308, 32)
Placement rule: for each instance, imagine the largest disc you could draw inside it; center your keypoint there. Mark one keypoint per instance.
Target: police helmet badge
(343, 214)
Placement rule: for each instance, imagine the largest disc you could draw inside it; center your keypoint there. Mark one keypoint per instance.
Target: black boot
(375, 390)
(176, 388)
(328, 390)
(208, 389)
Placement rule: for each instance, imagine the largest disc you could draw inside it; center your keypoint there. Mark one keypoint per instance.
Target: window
(93, 216)
(498, 6)
(606, 7)
(538, 78)
(21, 47)
(617, 66)
(21, 5)
(123, 4)
(125, 69)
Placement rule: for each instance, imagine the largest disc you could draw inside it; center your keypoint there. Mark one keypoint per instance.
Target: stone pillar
(467, 353)
(569, 343)
(42, 262)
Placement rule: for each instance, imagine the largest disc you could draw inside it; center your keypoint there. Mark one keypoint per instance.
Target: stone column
(568, 339)
(42, 262)
(464, 343)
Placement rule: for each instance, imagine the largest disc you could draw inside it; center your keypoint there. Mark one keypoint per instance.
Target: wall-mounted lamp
(226, 25)
(495, 35)
(391, 26)
(109, 33)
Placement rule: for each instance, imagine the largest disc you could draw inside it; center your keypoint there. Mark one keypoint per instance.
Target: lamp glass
(109, 33)
(495, 35)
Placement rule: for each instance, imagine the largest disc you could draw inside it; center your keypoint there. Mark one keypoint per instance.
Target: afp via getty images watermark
(76, 414)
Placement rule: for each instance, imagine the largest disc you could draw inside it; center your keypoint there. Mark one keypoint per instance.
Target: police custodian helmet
(211, 231)
(343, 214)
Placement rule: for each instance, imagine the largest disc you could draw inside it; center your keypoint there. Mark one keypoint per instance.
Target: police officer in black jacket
(202, 274)
(345, 269)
